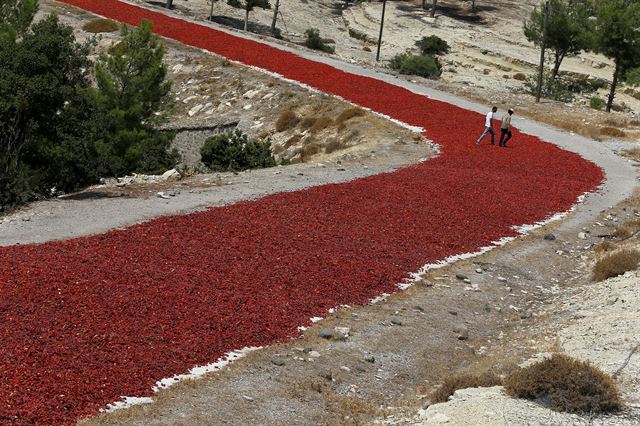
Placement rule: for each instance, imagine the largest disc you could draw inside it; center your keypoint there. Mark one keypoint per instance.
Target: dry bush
(627, 229)
(333, 145)
(613, 132)
(633, 153)
(321, 124)
(348, 114)
(100, 26)
(287, 120)
(616, 264)
(603, 248)
(565, 384)
(463, 381)
(520, 77)
(310, 150)
(308, 122)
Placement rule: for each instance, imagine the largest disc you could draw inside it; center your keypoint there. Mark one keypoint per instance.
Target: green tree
(43, 76)
(134, 94)
(16, 16)
(567, 29)
(617, 37)
(248, 6)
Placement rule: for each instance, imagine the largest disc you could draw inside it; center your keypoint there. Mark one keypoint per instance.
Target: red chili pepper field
(85, 321)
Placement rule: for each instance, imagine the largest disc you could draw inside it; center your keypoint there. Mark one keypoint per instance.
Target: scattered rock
(314, 354)
(342, 333)
(550, 237)
(525, 314)
(325, 333)
(453, 312)
(582, 235)
(395, 321)
(246, 397)
(462, 331)
(162, 195)
(478, 271)
(277, 361)
(370, 358)
(461, 277)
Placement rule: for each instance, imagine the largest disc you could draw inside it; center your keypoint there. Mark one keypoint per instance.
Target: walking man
(505, 128)
(488, 126)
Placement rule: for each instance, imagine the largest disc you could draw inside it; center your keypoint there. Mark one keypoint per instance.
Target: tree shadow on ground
(457, 12)
(238, 24)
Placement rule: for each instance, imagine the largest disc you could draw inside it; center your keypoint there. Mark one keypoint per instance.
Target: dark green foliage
(57, 132)
(420, 65)
(567, 29)
(559, 89)
(632, 77)
(134, 95)
(234, 151)
(315, 42)
(432, 45)
(617, 37)
(248, 6)
(597, 103)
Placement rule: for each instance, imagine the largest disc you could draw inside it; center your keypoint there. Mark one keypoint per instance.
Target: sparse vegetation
(315, 42)
(633, 153)
(562, 383)
(627, 229)
(432, 45)
(97, 26)
(597, 102)
(287, 120)
(453, 383)
(616, 264)
(348, 114)
(234, 151)
(603, 248)
(613, 132)
(321, 123)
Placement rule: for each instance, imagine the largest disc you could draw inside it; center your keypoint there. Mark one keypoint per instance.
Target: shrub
(432, 45)
(315, 42)
(453, 383)
(348, 114)
(603, 247)
(287, 120)
(321, 124)
(613, 132)
(308, 122)
(234, 152)
(616, 264)
(359, 35)
(396, 62)
(597, 103)
(559, 88)
(627, 229)
(100, 26)
(423, 66)
(520, 77)
(565, 384)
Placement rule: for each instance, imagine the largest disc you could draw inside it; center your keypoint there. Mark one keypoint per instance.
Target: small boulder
(462, 331)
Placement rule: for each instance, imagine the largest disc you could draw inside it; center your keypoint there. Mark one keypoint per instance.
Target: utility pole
(542, 49)
(169, 4)
(211, 14)
(384, 6)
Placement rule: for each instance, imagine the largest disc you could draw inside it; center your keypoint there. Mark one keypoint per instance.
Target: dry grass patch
(627, 229)
(101, 26)
(633, 153)
(348, 114)
(603, 248)
(321, 124)
(613, 132)
(463, 381)
(616, 264)
(562, 383)
(287, 120)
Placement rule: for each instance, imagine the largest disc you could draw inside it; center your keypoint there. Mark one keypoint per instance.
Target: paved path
(87, 320)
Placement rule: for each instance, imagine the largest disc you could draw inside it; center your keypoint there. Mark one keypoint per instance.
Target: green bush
(560, 88)
(420, 65)
(315, 42)
(432, 45)
(597, 103)
(234, 151)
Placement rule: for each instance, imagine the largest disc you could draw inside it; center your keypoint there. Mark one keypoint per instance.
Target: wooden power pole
(384, 6)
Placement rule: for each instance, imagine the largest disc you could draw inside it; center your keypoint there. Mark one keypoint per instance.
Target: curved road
(87, 320)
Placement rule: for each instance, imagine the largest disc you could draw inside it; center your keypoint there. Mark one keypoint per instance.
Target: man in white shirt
(489, 126)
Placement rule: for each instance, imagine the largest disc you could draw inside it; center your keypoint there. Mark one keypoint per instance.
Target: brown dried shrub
(287, 120)
(616, 264)
(603, 248)
(633, 153)
(333, 145)
(100, 26)
(321, 124)
(348, 114)
(627, 229)
(520, 77)
(613, 132)
(463, 381)
(562, 383)
(308, 122)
